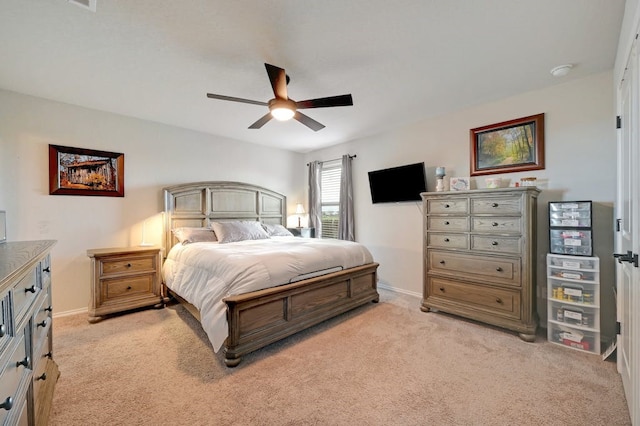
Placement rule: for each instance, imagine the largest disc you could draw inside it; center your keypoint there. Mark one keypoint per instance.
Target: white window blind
(330, 198)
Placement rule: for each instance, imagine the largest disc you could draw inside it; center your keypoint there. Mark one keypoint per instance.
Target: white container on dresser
(28, 373)
(480, 256)
(573, 302)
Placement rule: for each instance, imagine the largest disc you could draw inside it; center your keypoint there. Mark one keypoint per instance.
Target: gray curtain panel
(346, 228)
(315, 192)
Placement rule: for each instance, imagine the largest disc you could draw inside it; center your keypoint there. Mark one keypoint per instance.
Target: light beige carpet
(383, 364)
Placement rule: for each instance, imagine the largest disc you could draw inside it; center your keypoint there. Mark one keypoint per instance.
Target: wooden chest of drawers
(28, 373)
(480, 256)
(124, 279)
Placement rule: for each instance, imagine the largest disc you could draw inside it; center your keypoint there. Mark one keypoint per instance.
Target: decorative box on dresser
(480, 256)
(28, 373)
(123, 279)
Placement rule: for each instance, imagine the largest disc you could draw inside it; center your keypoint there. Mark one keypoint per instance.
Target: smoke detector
(561, 70)
(85, 4)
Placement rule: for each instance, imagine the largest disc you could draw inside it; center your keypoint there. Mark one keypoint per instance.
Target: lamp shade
(299, 208)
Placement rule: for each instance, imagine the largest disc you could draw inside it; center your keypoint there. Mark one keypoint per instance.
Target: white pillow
(188, 235)
(228, 232)
(276, 230)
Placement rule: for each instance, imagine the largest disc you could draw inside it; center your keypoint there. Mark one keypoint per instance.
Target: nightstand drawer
(128, 265)
(127, 287)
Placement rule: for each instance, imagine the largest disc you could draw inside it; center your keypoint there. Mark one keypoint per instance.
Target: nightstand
(303, 232)
(123, 279)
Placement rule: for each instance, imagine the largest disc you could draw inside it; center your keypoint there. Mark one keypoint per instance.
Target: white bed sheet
(205, 273)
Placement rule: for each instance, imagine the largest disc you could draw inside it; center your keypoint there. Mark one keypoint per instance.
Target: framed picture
(459, 184)
(511, 146)
(78, 171)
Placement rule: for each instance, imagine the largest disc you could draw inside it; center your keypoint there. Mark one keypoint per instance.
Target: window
(330, 198)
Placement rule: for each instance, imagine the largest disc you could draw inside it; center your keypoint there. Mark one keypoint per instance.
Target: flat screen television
(396, 184)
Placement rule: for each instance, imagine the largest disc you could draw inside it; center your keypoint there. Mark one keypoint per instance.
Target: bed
(279, 301)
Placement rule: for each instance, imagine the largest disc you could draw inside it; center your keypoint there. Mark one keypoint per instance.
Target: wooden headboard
(200, 203)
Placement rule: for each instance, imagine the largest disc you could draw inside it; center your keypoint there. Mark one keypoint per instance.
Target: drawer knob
(129, 287)
(499, 269)
(446, 222)
(3, 330)
(446, 206)
(49, 309)
(48, 355)
(494, 204)
(494, 243)
(43, 323)
(494, 224)
(446, 240)
(24, 362)
(7, 404)
(442, 289)
(498, 300)
(128, 265)
(47, 269)
(442, 262)
(31, 289)
(42, 377)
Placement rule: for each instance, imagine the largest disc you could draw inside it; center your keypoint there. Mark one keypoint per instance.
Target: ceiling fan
(284, 108)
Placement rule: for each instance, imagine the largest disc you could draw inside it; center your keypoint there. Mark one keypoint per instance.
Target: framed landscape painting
(511, 146)
(79, 171)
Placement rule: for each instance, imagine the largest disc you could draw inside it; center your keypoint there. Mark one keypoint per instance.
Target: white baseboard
(386, 286)
(68, 313)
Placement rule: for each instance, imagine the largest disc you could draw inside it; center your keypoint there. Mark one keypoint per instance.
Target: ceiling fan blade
(331, 101)
(231, 98)
(261, 121)
(278, 79)
(308, 121)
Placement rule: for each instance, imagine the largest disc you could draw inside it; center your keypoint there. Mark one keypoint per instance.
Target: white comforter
(205, 273)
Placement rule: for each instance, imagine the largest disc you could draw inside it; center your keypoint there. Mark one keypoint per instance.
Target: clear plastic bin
(570, 262)
(583, 317)
(570, 214)
(572, 250)
(574, 293)
(574, 338)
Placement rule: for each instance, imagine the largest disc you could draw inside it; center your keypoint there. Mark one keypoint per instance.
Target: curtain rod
(335, 159)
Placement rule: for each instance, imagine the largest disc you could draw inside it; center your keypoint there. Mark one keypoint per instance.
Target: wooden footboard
(262, 317)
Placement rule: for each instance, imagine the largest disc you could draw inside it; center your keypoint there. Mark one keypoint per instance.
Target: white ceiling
(401, 60)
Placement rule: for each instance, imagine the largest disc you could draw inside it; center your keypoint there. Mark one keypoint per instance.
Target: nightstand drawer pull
(7, 404)
(3, 330)
(31, 289)
(24, 362)
(42, 324)
(43, 377)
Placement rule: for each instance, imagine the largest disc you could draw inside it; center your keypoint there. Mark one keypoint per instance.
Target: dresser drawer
(127, 287)
(448, 206)
(511, 245)
(492, 270)
(442, 240)
(450, 224)
(12, 372)
(6, 330)
(496, 224)
(24, 292)
(131, 264)
(496, 205)
(493, 300)
(41, 321)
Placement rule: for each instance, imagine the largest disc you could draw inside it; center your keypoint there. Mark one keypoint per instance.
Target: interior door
(627, 239)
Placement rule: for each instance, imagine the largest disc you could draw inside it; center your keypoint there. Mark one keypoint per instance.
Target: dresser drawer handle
(494, 243)
(49, 309)
(446, 206)
(7, 404)
(47, 269)
(494, 224)
(499, 269)
(447, 222)
(42, 377)
(31, 289)
(129, 287)
(24, 362)
(494, 204)
(442, 289)
(442, 262)
(498, 300)
(128, 265)
(3, 330)
(446, 240)
(43, 323)
(48, 355)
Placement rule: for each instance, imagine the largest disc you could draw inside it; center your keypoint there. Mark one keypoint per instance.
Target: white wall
(156, 156)
(580, 146)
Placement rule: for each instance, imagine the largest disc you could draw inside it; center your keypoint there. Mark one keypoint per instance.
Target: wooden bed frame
(259, 318)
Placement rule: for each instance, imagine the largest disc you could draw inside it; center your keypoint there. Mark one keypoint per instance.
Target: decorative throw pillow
(276, 230)
(228, 232)
(188, 235)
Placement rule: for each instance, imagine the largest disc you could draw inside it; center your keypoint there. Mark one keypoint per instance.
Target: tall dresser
(480, 256)
(28, 373)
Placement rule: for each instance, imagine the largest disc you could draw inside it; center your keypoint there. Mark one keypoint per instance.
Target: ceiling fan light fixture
(282, 109)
